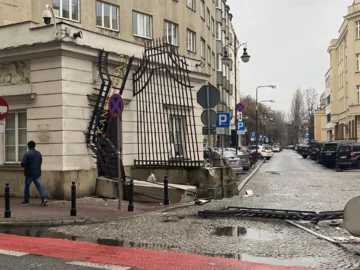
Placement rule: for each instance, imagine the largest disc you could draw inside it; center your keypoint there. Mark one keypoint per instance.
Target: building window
(218, 31)
(358, 29)
(191, 41)
(202, 48)
(328, 100)
(208, 18)
(67, 9)
(218, 3)
(358, 62)
(209, 56)
(212, 25)
(107, 16)
(142, 25)
(358, 94)
(171, 33)
(177, 136)
(218, 63)
(213, 60)
(202, 9)
(190, 4)
(15, 137)
(328, 118)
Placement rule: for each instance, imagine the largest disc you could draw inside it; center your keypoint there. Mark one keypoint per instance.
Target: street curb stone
(57, 223)
(247, 179)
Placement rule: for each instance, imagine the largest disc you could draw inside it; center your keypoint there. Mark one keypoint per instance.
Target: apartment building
(47, 73)
(344, 77)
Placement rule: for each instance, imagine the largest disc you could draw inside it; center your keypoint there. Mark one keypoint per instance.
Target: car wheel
(268, 158)
(358, 164)
(342, 167)
(304, 156)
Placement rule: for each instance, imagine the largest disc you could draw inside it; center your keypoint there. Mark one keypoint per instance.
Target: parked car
(329, 153)
(244, 157)
(318, 148)
(213, 155)
(276, 148)
(252, 155)
(303, 150)
(266, 152)
(348, 155)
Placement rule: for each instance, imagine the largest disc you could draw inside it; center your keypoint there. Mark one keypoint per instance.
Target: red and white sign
(4, 108)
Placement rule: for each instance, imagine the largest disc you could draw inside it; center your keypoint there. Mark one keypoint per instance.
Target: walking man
(31, 162)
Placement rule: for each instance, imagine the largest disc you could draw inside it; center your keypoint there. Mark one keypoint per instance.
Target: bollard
(131, 196)
(166, 191)
(7, 213)
(73, 200)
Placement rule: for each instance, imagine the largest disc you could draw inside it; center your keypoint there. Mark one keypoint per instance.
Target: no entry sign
(4, 108)
(116, 105)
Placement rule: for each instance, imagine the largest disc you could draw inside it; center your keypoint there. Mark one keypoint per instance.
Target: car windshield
(242, 152)
(330, 147)
(229, 154)
(267, 148)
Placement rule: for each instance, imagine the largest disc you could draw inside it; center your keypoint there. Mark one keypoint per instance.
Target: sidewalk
(57, 212)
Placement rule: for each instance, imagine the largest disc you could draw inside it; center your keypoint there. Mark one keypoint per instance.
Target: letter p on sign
(223, 120)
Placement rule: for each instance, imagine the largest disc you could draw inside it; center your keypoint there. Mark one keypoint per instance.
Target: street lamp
(228, 61)
(256, 117)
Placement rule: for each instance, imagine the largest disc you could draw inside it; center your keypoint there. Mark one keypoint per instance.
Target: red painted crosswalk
(121, 257)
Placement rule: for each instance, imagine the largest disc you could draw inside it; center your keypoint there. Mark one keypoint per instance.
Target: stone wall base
(208, 181)
(57, 184)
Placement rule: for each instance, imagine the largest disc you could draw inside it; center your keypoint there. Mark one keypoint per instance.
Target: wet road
(290, 161)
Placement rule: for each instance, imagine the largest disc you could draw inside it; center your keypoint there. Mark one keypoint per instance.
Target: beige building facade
(344, 77)
(46, 75)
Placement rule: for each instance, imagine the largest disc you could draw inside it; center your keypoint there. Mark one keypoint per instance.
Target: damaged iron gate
(98, 136)
(166, 126)
(233, 211)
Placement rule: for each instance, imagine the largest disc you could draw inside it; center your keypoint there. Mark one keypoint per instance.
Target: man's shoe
(24, 203)
(44, 202)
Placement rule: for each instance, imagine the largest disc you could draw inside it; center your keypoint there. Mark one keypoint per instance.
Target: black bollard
(7, 213)
(166, 191)
(73, 200)
(131, 196)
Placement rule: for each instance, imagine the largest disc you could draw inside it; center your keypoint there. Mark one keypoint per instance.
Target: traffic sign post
(116, 108)
(208, 97)
(4, 110)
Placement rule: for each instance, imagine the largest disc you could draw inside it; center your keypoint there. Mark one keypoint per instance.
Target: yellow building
(345, 76)
(320, 125)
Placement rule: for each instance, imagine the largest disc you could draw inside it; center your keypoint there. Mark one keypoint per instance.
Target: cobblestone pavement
(285, 182)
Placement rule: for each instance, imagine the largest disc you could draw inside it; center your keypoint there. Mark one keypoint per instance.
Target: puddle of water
(226, 231)
(246, 233)
(44, 233)
(295, 262)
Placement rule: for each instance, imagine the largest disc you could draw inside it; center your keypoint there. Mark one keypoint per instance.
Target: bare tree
(311, 102)
(297, 116)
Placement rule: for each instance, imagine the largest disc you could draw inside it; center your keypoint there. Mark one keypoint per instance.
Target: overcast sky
(287, 41)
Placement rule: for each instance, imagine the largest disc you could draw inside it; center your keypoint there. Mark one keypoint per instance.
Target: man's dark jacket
(32, 161)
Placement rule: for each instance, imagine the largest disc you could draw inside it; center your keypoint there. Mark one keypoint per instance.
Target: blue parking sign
(222, 120)
(253, 135)
(240, 126)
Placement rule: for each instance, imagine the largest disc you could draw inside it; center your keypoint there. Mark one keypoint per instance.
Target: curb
(58, 223)
(247, 179)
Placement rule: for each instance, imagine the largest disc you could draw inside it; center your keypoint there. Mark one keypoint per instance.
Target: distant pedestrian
(31, 162)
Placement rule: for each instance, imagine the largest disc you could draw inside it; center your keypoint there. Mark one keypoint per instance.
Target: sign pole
(208, 113)
(119, 162)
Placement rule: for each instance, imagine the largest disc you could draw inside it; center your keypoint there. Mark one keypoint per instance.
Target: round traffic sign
(116, 105)
(240, 107)
(4, 108)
